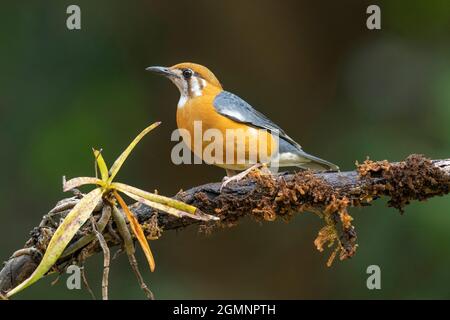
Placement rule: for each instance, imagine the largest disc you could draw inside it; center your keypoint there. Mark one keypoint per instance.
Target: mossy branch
(265, 198)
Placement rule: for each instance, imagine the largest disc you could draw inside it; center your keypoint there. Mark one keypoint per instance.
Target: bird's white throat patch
(191, 89)
(183, 100)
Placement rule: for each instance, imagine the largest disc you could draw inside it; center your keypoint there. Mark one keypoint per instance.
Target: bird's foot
(241, 175)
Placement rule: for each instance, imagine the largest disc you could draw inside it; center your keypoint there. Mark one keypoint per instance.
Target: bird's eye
(187, 73)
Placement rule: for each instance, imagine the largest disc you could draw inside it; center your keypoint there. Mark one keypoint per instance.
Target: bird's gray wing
(233, 107)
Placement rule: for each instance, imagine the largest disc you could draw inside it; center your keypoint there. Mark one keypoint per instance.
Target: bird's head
(190, 78)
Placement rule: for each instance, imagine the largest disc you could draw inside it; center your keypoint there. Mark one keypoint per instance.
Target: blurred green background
(343, 91)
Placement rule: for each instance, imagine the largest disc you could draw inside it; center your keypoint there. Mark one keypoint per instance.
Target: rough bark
(264, 197)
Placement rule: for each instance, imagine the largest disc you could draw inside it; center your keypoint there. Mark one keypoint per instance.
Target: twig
(135, 267)
(81, 258)
(117, 253)
(56, 279)
(106, 259)
(113, 232)
(86, 283)
(129, 249)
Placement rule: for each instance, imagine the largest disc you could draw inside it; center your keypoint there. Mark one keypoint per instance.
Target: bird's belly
(221, 141)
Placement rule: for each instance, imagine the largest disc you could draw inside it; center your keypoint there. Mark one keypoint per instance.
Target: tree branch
(265, 197)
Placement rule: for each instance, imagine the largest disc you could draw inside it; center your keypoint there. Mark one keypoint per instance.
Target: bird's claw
(239, 176)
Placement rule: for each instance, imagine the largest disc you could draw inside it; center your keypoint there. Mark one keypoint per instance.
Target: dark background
(343, 91)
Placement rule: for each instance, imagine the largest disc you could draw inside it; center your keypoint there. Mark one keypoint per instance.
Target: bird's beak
(162, 71)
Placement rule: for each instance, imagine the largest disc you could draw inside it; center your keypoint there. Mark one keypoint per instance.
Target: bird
(203, 100)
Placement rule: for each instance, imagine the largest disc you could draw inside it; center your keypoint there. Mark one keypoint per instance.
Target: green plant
(108, 192)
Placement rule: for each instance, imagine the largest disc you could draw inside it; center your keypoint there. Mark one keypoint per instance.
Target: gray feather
(292, 155)
(233, 107)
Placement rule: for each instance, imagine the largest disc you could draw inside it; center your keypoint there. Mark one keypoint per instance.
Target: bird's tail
(292, 155)
(308, 161)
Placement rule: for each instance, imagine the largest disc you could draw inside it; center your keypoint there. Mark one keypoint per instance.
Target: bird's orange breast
(242, 145)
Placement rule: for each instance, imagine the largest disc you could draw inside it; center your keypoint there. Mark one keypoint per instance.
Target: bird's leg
(238, 176)
(230, 173)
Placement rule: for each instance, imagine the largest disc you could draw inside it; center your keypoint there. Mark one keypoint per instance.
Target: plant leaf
(83, 241)
(122, 227)
(101, 165)
(62, 236)
(80, 181)
(177, 213)
(155, 197)
(137, 230)
(170, 210)
(121, 159)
